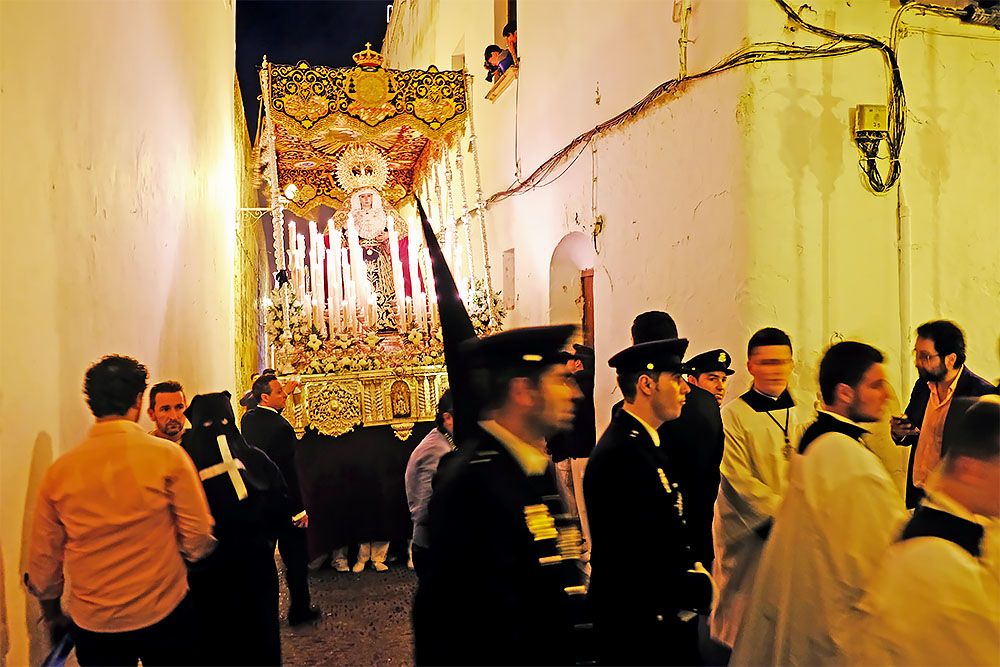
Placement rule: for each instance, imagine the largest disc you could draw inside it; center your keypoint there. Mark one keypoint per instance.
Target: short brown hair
(165, 387)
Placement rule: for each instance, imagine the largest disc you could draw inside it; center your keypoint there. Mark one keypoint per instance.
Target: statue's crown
(361, 166)
(368, 58)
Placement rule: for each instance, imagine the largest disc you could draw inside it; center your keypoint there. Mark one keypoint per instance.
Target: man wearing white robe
(935, 598)
(840, 512)
(760, 428)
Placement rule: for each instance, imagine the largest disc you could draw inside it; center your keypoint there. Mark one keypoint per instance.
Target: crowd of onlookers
(761, 529)
(167, 538)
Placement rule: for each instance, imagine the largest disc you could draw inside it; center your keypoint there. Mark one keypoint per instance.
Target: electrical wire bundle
(839, 44)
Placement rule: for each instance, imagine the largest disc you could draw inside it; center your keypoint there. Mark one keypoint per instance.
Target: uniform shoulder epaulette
(483, 456)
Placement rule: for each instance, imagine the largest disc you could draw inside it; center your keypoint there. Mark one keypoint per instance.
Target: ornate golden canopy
(319, 111)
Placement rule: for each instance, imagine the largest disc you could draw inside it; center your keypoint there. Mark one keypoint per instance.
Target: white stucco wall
(739, 203)
(118, 203)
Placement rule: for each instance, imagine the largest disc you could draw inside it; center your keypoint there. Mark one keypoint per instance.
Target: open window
(501, 58)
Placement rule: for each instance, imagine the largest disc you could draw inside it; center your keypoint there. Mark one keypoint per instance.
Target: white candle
(431, 288)
(301, 265)
(319, 293)
(333, 287)
(413, 259)
(352, 312)
(292, 247)
(371, 313)
(358, 270)
(316, 292)
(397, 278)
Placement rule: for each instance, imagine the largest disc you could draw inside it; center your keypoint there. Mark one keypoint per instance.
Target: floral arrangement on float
(309, 350)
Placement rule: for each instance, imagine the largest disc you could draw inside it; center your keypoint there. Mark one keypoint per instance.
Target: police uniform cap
(526, 347)
(654, 356)
(712, 361)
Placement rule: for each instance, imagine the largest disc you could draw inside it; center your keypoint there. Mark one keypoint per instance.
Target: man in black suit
(264, 428)
(503, 586)
(939, 355)
(644, 615)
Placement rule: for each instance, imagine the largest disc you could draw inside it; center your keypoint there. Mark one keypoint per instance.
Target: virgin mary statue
(362, 171)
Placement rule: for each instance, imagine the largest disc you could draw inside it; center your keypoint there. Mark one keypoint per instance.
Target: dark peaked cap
(711, 362)
(527, 347)
(655, 356)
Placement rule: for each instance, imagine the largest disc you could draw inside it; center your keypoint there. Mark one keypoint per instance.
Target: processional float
(353, 309)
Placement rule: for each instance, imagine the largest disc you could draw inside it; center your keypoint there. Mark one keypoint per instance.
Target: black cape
(235, 590)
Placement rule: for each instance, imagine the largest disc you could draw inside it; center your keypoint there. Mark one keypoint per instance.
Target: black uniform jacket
(272, 434)
(633, 500)
(969, 385)
(695, 441)
(486, 598)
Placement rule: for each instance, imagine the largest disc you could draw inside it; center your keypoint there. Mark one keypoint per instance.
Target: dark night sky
(323, 32)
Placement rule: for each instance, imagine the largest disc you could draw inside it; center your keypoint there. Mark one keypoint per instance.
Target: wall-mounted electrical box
(871, 118)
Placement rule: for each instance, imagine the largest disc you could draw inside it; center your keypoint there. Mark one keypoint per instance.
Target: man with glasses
(939, 355)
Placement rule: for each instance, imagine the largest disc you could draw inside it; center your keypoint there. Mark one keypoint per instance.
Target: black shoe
(301, 617)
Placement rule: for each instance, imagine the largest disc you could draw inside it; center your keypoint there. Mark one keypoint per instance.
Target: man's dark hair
(165, 387)
(628, 382)
(261, 386)
(510, 28)
(490, 50)
(445, 404)
(977, 434)
(845, 363)
(768, 336)
(494, 384)
(947, 337)
(653, 325)
(113, 384)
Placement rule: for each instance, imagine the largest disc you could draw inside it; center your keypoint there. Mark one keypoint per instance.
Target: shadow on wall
(41, 459)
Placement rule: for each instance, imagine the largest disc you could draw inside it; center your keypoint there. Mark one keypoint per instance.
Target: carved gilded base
(335, 403)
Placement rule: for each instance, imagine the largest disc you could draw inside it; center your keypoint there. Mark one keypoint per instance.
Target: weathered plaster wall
(739, 203)
(662, 212)
(118, 201)
(822, 249)
(252, 279)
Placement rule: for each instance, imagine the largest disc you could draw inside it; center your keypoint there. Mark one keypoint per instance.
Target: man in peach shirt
(939, 355)
(121, 511)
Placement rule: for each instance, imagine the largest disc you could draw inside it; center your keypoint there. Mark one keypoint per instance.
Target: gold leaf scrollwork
(334, 407)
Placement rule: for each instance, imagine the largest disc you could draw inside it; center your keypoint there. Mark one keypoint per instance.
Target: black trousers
(421, 556)
(294, 552)
(159, 644)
